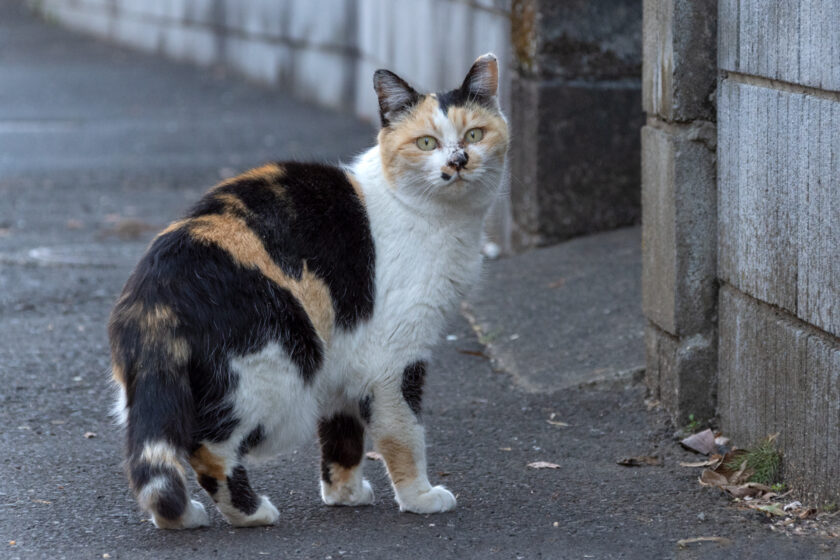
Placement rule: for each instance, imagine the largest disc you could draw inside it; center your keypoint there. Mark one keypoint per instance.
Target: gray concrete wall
(323, 50)
(741, 223)
(575, 164)
(678, 205)
(779, 232)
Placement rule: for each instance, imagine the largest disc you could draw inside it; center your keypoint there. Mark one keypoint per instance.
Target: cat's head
(449, 145)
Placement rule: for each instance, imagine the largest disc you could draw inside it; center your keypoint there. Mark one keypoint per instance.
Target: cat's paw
(436, 500)
(362, 495)
(194, 516)
(266, 514)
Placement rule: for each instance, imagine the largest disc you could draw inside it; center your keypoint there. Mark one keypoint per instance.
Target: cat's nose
(458, 160)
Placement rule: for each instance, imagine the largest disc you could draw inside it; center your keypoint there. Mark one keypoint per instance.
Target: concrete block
(367, 106)
(258, 59)
(192, 43)
(678, 69)
(324, 77)
(170, 10)
(796, 42)
(678, 229)
(779, 199)
(87, 20)
(584, 40)
(144, 35)
(780, 375)
(579, 170)
(680, 373)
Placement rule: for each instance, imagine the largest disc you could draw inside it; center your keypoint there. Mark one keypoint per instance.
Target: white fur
(358, 492)
(194, 516)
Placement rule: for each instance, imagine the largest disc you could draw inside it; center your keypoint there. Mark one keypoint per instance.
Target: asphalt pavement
(100, 147)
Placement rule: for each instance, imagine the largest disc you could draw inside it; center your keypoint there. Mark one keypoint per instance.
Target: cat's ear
(395, 95)
(482, 81)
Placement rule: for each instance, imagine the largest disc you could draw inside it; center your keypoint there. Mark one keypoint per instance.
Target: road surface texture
(100, 147)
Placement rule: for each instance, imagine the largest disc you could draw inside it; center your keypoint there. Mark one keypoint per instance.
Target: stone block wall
(779, 233)
(741, 223)
(575, 164)
(679, 220)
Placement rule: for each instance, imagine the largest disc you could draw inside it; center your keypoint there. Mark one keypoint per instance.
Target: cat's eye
(473, 135)
(427, 143)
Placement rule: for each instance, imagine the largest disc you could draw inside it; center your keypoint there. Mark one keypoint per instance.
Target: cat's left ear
(395, 95)
(482, 81)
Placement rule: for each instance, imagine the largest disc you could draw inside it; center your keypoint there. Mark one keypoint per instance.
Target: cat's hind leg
(226, 481)
(342, 440)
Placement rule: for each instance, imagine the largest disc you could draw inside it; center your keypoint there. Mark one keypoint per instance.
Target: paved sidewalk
(100, 146)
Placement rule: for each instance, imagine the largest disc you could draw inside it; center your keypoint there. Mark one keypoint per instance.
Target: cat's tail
(159, 431)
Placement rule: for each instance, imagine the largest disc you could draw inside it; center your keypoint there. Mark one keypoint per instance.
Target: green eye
(427, 143)
(474, 135)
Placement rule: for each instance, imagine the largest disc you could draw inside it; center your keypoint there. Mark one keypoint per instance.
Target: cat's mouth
(458, 177)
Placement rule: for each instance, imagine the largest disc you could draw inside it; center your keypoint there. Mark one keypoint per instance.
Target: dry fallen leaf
(711, 478)
(543, 465)
(713, 461)
(770, 509)
(701, 442)
(37, 501)
(373, 455)
(682, 543)
(558, 423)
(751, 490)
(640, 461)
(807, 513)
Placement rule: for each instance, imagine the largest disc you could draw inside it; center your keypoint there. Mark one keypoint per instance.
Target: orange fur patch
(339, 476)
(401, 139)
(399, 459)
(118, 373)
(356, 186)
(270, 172)
(157, 328)
(245, 247)
(205, 462)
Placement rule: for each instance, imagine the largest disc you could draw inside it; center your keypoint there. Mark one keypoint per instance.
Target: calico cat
(300, 298)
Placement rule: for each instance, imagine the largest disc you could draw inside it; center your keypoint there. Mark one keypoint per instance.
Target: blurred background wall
(570, 70)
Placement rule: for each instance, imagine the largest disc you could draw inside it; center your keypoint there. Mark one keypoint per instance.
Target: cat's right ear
(395, 95)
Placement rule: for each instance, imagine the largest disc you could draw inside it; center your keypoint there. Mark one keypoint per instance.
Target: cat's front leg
(399, 437)
(342, 440)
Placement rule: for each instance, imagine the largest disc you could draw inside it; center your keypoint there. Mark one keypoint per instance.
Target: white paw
(266, 514)
(362, 495)
(194, 516)
(437, 499)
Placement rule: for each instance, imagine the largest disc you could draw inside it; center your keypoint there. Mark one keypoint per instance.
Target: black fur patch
(460, 97)
(365, 408)
(342, 442)
(210, 484)
(172, 499)
(253, 439)
(414, 376)
(242, 496)
(319, 219)
(221, 307)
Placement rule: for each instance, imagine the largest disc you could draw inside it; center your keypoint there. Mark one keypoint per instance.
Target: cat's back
(285, 248)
